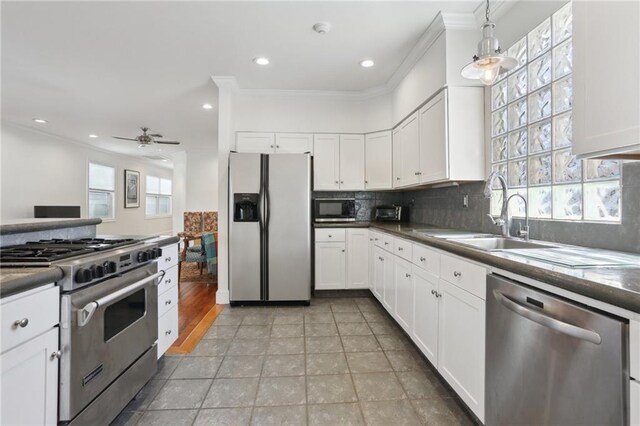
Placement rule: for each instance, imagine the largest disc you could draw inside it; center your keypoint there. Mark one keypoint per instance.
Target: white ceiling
(110, 67)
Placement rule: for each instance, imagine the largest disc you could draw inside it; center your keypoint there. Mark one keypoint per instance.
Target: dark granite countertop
(17, 280)
(19, 226)
(342, 225)
(161, 240)
(619, 286)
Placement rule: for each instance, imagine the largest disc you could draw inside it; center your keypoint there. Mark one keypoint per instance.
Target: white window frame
(157, 197)
(113, 193)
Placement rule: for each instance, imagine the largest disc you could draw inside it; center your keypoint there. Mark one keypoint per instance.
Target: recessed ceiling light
(40, 120)
(261, 60)
(367, 63)
(207, 106)
(92, 136)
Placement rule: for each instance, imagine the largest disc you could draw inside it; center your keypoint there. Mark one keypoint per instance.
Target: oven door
(334, 210)
(103, 330)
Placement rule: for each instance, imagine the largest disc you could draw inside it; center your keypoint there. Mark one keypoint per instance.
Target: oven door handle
(85, 314)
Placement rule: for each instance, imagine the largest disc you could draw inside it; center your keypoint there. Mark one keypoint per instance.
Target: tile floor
(340, 361)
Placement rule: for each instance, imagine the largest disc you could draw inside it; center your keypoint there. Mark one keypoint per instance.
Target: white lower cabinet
(29, 382)
(461, 344)
(378, 273)
(341, 258)
(635, 403)
(388, 283)
(404, 293)
(168, 297)
(357, 258)
(330, 265)
(425, 313)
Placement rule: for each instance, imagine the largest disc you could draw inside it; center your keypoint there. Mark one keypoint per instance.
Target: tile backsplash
(444, 207)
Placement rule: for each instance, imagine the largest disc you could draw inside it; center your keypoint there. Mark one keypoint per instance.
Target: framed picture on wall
(131, 189)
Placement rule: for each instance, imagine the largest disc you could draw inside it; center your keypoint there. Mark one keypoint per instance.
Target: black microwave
(334, 209)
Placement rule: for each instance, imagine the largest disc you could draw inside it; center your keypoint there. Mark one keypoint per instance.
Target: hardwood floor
(197, 310)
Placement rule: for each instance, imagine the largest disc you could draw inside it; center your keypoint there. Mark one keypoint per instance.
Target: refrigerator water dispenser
(245, 207)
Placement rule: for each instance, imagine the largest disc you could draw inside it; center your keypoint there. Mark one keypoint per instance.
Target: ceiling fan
(147, 139)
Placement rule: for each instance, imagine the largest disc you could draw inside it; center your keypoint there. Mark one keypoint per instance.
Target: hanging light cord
(487, 12)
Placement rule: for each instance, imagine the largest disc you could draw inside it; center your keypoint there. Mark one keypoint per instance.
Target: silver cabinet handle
(422, 259)
(277, 146)
(545, 321)
(386, 243)
(270, 146)
(21, 323)
(329, 235)
(400, 249)
(168, 302)
(375, 239)
(438, 294)
(337, 182)
(433, 292)
(167, 259)
(168, 332)
(341, 181)
(407, 275)
(343, 250)
(168, 281)
(457, 274)
(55, 355)
(381, 259)
(370, 239)
(397, 178)
(366, 181)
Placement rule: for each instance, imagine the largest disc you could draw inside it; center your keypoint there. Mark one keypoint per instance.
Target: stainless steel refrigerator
(269, 227)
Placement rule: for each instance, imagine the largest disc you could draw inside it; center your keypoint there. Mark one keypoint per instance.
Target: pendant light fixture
(489, 62)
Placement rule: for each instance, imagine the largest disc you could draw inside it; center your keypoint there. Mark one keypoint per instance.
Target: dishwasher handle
(546, 321)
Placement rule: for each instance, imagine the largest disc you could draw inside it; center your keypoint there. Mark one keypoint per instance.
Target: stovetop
(44, 252)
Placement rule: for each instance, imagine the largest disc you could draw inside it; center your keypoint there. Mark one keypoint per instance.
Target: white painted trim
(222, 296)
(438, 25)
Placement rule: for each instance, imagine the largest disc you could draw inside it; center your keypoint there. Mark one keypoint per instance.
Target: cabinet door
(434, 161)
(606, 111)
(425, 313)
(326, 162)
(389, 284)
(378, 281)
(261, 143)
(397, 158)
(404, 293)
(410, 152)
(371, 262)
(358, 258)
(294, 143)
(378, 163)
(351, 162)
(29, 382)
(330, 266)
(461, 344)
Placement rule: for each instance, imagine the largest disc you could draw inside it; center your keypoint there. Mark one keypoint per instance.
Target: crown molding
(440, 23)
(226, 81)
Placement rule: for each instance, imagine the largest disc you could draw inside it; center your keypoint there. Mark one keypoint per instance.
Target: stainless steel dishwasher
(550, 361)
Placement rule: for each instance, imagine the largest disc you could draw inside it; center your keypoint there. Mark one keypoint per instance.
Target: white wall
(45, 170)
(202, 180)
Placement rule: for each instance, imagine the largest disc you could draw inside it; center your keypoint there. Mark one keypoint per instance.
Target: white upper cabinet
(397, 159)
(261, 143)
(378, 166)
(338, 162)
(406, 147)
(293, 143)
(452, 136)
(326, 162)
(351, 162)
(606, 78)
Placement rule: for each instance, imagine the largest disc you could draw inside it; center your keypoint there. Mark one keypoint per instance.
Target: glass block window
(531, 134)
(158, 196)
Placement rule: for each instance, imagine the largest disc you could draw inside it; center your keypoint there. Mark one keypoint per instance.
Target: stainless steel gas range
(108, 320)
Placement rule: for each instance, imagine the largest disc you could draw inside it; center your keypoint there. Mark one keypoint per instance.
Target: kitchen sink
(499, 243)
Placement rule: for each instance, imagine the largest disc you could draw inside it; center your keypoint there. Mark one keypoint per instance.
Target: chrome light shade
(490, 61)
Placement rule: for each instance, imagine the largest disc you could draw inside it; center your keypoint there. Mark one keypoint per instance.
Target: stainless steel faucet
(504, 221)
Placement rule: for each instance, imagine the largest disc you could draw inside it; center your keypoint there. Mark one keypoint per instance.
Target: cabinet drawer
(167, 300)
(402, 248)
(385, 241)
(169, 257)
(466, 275)
(426, 259)
(169, 280)
(38, 311)
(328, 235)
(167, 330)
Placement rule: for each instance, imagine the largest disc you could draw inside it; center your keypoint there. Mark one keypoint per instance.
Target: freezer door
(244, 237)
(288, 219)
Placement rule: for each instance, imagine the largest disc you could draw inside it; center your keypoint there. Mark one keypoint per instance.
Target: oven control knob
(97, 271)
(156, 253)
(110, 267)
(83, 276)
(143, 256)
(152, 254)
